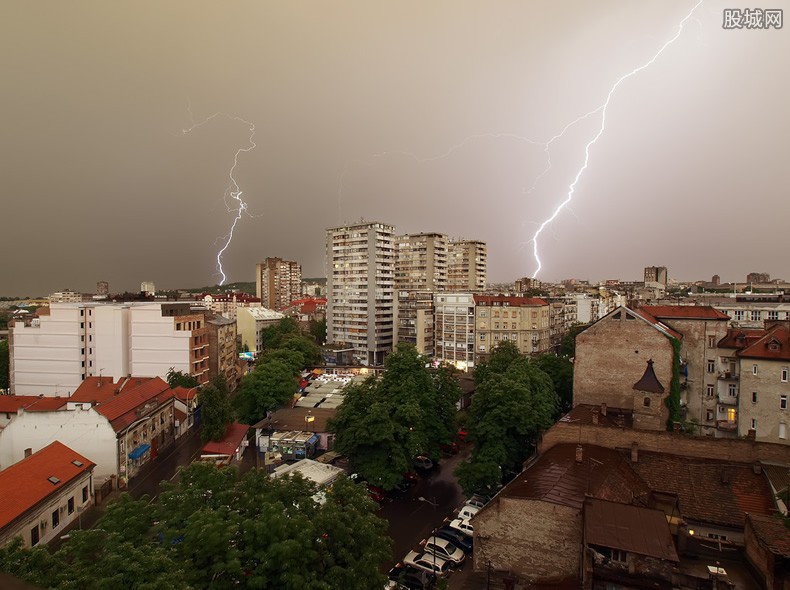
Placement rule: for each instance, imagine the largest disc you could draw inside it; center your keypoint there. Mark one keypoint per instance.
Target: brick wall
(529, 539)
(740, 450)
(612, 355)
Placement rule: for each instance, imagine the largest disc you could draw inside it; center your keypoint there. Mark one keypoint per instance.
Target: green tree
(216, 412)
(502, 355)
(180, 379)
(318, 330)
(4, 365)
(270, 385)
(272, 336)
(560, 370)
(568, 344)
(508, 411)
(384, 422)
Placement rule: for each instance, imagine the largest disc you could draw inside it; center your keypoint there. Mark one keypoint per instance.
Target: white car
(467, 512)
(463, 525)
(428, 562)
(477, 501)
(444, 549)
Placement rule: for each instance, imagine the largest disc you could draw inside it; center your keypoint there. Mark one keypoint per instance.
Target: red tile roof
(11, 404)
(121, 409)
(100, 389)
(25, 484)
(708, 490)
(739, 338)
(234, 435)
(509, 299)
(649, 318)
(685, 312)
(774, 345)
(184, 394)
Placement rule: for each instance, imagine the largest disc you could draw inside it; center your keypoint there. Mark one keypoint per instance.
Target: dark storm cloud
(100, 183)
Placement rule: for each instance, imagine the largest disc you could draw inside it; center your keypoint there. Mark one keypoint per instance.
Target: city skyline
(413, 116)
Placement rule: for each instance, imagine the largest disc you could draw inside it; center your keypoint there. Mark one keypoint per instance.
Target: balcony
(727, 425)
(728, 376)
(726, 399)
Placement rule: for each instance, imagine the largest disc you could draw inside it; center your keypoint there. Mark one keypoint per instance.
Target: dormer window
(773, 346)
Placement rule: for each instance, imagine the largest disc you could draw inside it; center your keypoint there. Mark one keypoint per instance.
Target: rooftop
(774, 345)
(634, 529)
(685, 312)
(772, 533)
(35, 478)
(11, 404)
(234, 436)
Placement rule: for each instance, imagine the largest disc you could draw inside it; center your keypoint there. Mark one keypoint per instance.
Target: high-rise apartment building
(420, 271)
(278, 282)
(455, 329)
(656, 276)
(467, 262)
(360, 271)
(421, 263)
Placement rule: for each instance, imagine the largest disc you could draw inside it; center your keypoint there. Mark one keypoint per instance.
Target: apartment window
(709, 390)
(82, 312)
(739, 314)
(754, 424)
(70, 506)
(754, 397)
(55, 518)
(754, 369)
(782, 430)
(784, 374)
(34, 536)
(483, 313)
(782, 402)
(514, 336)
(85, 494)
(82, 325)
(711, 366)
(646, 402)
(756, 316)
(711, 341)
(717, 537)
(709, 415)
(733, 389)
(773, 315)
(496, 325)
(82, 338)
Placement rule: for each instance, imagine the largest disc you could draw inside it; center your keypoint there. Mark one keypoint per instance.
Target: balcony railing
(726, 425)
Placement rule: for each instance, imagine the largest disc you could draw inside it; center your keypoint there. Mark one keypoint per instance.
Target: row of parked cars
(446, 549)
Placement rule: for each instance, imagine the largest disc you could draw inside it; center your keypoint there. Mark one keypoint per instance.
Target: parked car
(478, 500)
(463, 525)
(411, 578)
(423, 462)
(462, 433)
(449, 448)
(376, 493)
(467, 512)
(444, 549)
(456, 537)
(428, 562)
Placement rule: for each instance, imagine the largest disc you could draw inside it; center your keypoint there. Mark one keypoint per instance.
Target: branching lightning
(603, 108)
(233, 191)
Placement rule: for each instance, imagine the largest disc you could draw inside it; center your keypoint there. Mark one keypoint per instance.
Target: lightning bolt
(233, 191)
(603, 108)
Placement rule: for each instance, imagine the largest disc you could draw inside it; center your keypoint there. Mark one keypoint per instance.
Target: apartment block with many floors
(360, 270)
(278, 282)
(467, 266)
(455, 329)
(524, 321)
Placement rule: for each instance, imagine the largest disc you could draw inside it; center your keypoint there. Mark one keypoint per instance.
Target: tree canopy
(180, 379)
(210, 530)
(386, 421)
(513, 402)
(560, 370)
(216, 410)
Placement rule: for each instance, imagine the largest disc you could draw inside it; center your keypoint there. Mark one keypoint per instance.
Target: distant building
(421, 263)
(43, 493)
(524, 321)
(148, 288)
(656, 276)
(467, 266)
(758, 277)
(415, 323)
(360, 269)
(716, 280)
(222, 353)
(66, 296)
(227, 303)
(102, 288)
(527, 284)
(455, 329)
(278, 282)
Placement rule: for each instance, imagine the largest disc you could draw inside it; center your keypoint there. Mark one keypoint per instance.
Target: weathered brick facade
(611, 355)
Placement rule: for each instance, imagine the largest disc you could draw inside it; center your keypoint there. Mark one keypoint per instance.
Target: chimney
(634, 452)
(603, 409)
(28, 452)
(579, 453)
(595, 418)
(757, 468)
(751, 434)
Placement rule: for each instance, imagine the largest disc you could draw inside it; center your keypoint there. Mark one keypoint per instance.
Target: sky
(430, 116)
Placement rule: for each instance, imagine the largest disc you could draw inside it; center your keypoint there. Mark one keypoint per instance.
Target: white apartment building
(360, 270)
(52, 355)
(278, 282)
(467, 266)
(455, 329)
